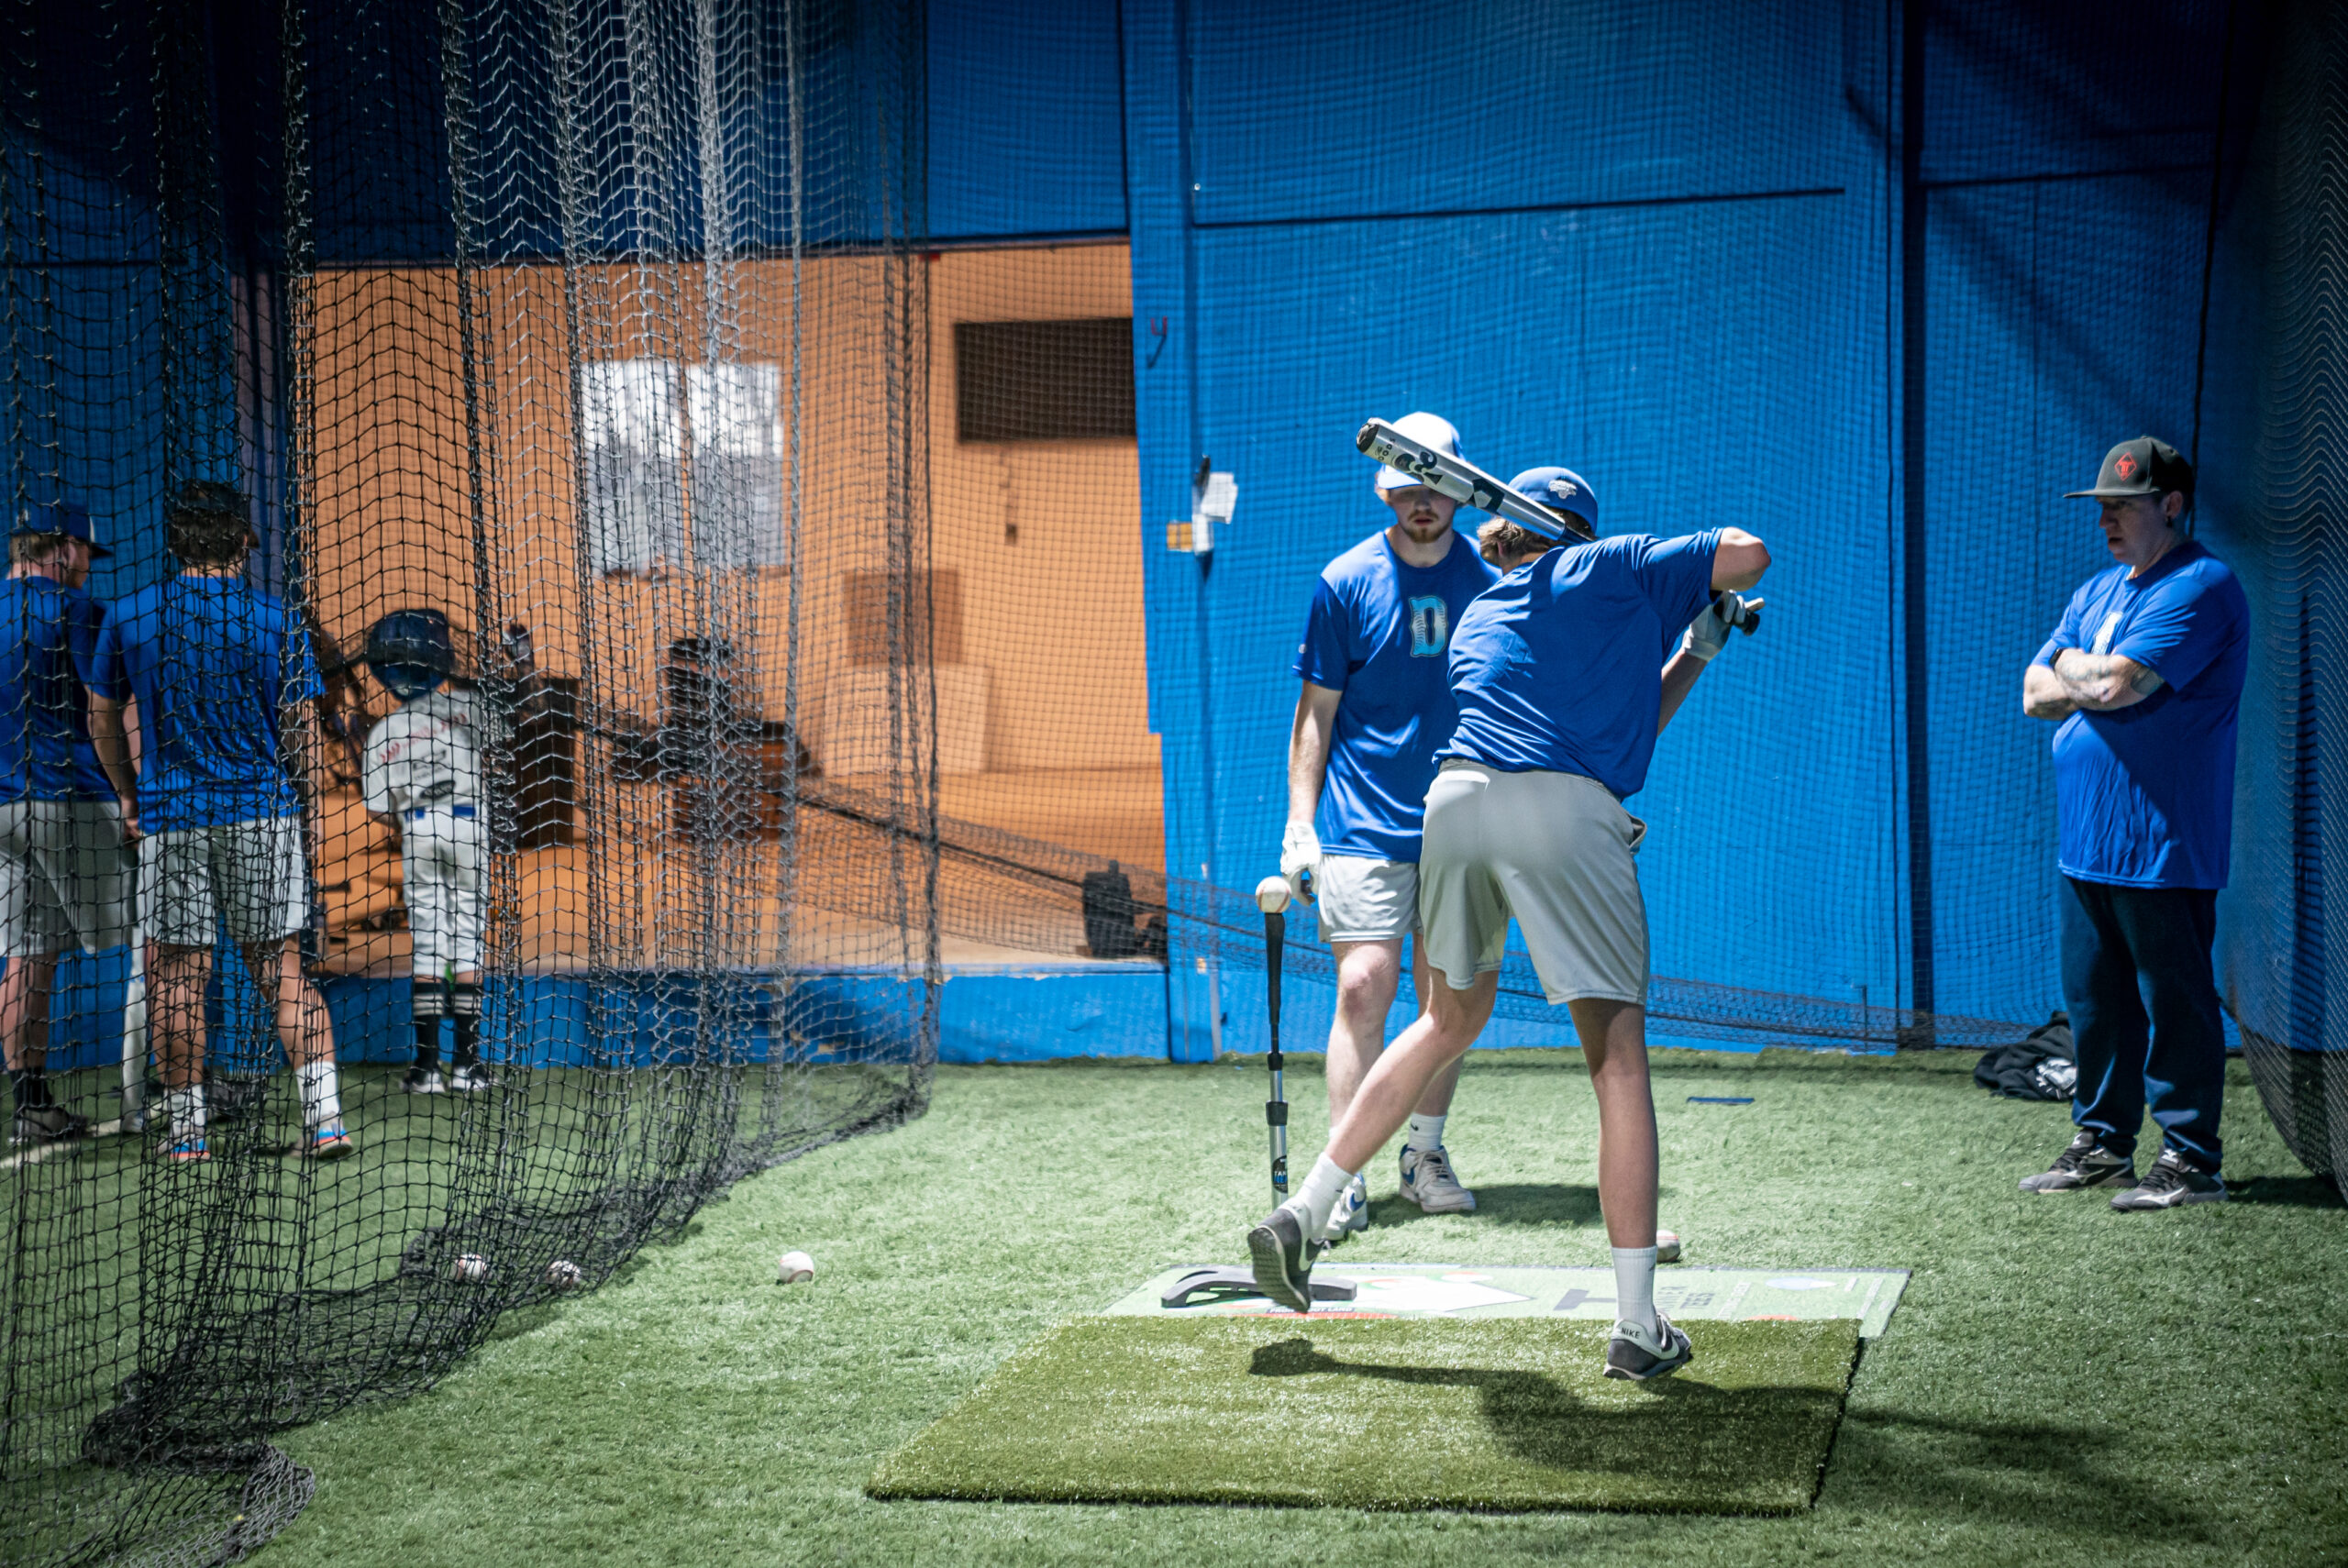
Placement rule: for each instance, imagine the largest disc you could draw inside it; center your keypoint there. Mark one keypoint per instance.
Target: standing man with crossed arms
(1560, 700)
(2144, 674)
(1377, 703)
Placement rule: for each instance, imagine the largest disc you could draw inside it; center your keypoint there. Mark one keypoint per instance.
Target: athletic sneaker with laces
(46, 1124)
(185, 1150)
(1350, 1215)
(1283, 1257)
(2084, 1164)
(471, 1079)
(2172, 1183)
(1428, 1181)
(424, 1081)
(329, 1143)
(1638, 1351)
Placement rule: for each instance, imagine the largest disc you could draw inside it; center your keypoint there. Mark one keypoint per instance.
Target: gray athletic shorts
(1553, 850)
(1361, 900)
(248, 874)
(65, 877)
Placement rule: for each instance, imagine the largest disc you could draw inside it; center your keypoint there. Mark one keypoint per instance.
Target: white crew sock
(321, 1098)
(1425, 1133)
(1634, 1287)
(1319, 1194)
(184, 1107)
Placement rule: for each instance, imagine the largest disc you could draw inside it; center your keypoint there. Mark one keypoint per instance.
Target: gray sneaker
(1351, 1215)
(1283, 1258)
(428, 1081)
(2170, 1183)
(1428, 1181)
(2083, 1165)
(1639, 1353)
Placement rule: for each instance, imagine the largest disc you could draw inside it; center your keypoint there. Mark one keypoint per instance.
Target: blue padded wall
(1026, 120)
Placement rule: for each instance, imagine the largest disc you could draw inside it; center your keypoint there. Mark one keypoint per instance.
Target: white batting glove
(1300, 859)
(1708, 634)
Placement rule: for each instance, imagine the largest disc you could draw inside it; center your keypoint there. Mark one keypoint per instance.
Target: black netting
(569, 354)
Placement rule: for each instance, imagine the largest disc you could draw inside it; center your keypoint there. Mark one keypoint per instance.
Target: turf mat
(1511, 1414)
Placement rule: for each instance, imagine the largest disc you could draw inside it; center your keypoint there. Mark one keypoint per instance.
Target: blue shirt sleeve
(1675, 575)
(2180, 630)
(2066, 633)
(301, 679)
(106, 675)
(1326, 657)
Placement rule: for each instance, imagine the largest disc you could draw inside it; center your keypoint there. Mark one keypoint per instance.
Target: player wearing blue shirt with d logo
(2144, 674)
(1376, 705)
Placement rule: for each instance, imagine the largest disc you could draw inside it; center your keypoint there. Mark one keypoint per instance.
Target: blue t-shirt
(2145, 795)
(211, 663)
(49, 635)
(1378, 633)
(1559, 665)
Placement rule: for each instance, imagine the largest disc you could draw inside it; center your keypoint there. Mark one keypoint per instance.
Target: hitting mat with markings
(1511, 1413)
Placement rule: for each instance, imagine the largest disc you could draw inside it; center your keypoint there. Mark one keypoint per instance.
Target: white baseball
(564, 1275)
(471, 1268)
(1272, 894)
(796, 1268)
(1666, 1246)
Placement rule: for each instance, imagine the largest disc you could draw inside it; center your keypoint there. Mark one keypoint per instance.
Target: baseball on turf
(1272, 894)
(1666, 1246)
(564, 1275)
(796, 1268)
(471, 1268)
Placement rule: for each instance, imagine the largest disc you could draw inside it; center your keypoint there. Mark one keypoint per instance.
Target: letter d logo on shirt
(1429, 626)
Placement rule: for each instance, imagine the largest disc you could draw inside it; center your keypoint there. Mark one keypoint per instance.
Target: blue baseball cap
(61, 517)
(1561, 490)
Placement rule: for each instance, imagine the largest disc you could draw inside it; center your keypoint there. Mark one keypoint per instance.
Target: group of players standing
(1472, 718)
(154, 756)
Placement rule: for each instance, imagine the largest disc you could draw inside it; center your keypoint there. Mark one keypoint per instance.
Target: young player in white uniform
(423, 774)
(1560, 700)
(1376, 705)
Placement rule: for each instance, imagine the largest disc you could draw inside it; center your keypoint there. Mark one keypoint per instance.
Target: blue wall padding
(1026, 119)
(1033, 1014)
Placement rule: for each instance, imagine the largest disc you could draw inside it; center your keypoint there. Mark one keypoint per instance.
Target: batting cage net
(504, 425)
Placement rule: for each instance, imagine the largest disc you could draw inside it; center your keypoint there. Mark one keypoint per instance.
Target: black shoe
(46, 1124)
(2170, 1183)
(2083, 1165)
(1283, 1259)
(1659, 1353)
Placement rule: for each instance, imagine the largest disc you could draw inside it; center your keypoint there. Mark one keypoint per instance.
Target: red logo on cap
(2126, 467)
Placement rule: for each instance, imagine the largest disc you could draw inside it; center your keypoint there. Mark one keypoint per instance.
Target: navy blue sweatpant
(2143, 1005)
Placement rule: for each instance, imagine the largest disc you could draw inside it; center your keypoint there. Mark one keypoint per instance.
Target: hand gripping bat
(1465, 483)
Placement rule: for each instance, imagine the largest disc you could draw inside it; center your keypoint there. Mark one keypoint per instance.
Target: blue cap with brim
(1560, 490)
(63, 518)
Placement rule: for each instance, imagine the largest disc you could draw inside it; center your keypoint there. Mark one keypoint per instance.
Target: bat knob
(1272, 894)
(1369, 434)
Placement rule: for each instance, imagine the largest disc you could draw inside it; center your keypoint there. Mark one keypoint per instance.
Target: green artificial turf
(2061, 1385)
(1507, 1413)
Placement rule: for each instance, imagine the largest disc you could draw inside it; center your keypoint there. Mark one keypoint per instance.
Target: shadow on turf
(2084, 1475)
(1511, 1203)
(2288, 1192)
(1538, 1420)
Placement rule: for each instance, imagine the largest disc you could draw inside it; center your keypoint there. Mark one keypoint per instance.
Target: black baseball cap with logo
(2143, 466)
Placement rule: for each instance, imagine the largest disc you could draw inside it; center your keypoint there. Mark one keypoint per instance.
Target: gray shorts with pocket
(1552, 849)
(1361, 900)
(66, 878)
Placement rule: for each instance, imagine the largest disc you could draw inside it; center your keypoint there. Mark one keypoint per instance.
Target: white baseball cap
(1428, 430)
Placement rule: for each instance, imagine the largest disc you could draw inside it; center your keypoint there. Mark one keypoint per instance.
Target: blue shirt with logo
(48, 637)
(1378, 630)
(212, 664)
(2145, 795)
(1559, 665)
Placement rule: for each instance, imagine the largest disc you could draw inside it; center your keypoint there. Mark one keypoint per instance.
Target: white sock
(1319, 1193)
(1635, 1286)
(185, 1109)
(321, 1099)
(1425, 1133)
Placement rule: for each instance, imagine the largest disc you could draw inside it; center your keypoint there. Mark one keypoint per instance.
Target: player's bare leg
(176, 979)
(1370, 974)
(305, 1029)
(23, 1029)
(1614, 1046)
